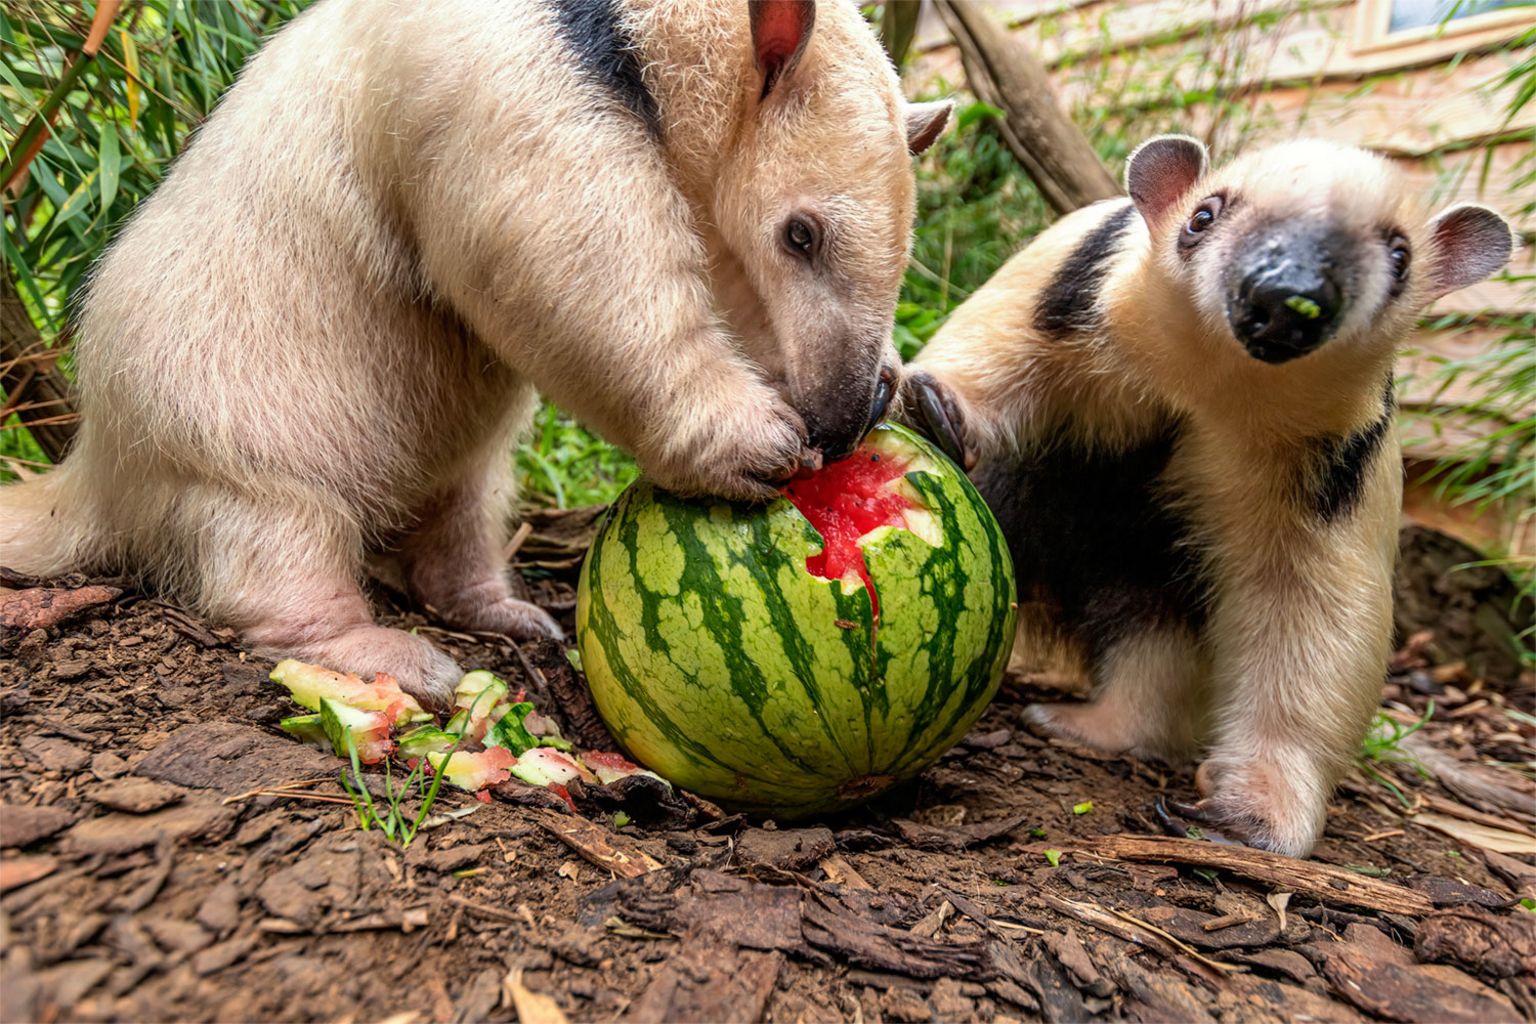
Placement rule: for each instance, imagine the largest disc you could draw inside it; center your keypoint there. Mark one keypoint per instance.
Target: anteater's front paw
(1267, 805)
(931, 406)
(742, 457)
(519, 620)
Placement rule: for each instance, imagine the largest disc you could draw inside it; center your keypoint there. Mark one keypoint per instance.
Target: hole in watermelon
(844, 501)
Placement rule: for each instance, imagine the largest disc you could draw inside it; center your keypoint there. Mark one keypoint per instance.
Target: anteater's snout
(1288, 296)
(837, 430)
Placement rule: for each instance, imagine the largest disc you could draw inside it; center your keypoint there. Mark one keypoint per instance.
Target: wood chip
(1483, 837)
(18, 871)
(597, 845)
(1321, 881)
(1217, 924)
(532, 1007)
(1280, 901)
(1460, 810)
(840, 872)
(42, 607)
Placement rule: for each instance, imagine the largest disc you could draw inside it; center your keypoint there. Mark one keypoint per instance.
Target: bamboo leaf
(131, 63)
(111, 160)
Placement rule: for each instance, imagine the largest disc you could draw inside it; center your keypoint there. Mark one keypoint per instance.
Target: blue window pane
(1408, 14)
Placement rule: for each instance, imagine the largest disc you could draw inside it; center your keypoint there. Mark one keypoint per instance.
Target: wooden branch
(24, 375)
(1002, 71)
(1322, 881)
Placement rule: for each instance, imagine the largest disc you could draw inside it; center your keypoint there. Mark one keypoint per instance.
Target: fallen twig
(283, 789)
(1135, 930)
(484, 910)
(524, 529)
(1323, 881)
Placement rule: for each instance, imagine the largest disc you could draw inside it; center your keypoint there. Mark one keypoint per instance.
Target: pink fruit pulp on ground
(844, 501)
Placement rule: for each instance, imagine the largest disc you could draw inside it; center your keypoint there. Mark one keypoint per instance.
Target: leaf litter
(253, 894)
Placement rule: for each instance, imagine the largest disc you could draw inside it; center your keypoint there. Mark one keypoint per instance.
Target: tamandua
(685, 221)
(1180, 407)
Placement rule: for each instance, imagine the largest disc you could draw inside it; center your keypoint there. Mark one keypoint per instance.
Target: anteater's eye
(1201, 220)
(1398, 256)
(801, 237)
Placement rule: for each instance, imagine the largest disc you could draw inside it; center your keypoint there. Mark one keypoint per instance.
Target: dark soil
(141, 880)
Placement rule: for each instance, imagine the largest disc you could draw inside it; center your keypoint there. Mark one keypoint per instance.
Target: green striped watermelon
(725, 663)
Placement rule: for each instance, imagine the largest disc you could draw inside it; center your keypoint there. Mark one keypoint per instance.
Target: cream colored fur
(321, 335)
(1282, 682)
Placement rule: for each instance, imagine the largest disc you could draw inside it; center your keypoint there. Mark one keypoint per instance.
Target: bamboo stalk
(30, 142)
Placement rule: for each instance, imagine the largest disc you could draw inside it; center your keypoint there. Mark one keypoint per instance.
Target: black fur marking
(1341, 464)
(1093, 538)
(1070, 302)
(607, 53)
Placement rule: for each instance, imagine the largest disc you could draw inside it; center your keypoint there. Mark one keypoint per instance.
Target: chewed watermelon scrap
(481, 700)
(473, 771)
(609, 767)
(509, 729)
(425, 739)
(307, 729)
(309, 684)
(545, 766)
(846, 501)
(346, 726)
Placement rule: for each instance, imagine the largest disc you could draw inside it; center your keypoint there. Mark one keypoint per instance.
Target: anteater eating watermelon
(798, 657)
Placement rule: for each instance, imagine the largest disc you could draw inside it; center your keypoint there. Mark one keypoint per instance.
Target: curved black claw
(940, 417)
(883, 392)
(1192, 821)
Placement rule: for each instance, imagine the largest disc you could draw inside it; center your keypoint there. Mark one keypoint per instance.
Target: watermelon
(797, 657)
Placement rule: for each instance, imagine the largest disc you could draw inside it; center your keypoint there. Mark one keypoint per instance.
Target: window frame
(1373, 16)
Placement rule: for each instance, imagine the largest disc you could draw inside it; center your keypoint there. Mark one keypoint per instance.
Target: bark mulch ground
(170, 855)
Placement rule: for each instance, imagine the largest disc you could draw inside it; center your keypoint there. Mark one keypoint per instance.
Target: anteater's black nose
(1281, 312)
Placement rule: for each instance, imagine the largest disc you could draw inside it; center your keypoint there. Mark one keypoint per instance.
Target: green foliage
(975, 208)
(391, 814)
(162, 67)
(1383, 746)
(564, 465)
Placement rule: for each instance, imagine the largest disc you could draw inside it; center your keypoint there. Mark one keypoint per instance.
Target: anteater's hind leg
(1147, 698)
(285, 573)
(453, 558)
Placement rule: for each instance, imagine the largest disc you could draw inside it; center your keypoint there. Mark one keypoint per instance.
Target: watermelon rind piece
(475, 685)
(472, 771)
(424, 739)
(309, 684)
(306, 728)
(720, 662)
(481, 697)
(367, 731)
(609, 767)
(509, 731)
(543, 766)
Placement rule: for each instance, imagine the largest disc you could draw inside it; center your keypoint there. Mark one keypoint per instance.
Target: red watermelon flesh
(844, 501)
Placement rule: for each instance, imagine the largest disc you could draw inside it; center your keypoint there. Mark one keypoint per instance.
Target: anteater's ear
(780, 30)
(1161, 170)
(1468, 243)
(925, 123)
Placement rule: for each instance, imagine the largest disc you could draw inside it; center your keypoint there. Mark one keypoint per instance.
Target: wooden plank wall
(1242, 72)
